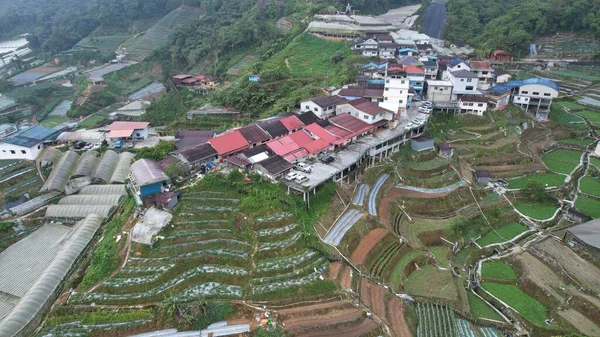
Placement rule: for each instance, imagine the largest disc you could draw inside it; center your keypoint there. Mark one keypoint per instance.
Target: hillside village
(436, 191)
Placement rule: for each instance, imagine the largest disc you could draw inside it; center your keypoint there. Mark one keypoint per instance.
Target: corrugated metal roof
(318, 131)
(229, 143)
(317, 146)
(274, 128)
(283, 146)
(192, 138)
(127, 125)
(301, 138)
(147, 171)
(276, 165)
(32, 136)
(254, 134)
(588, 232)
(197, 153)
(292, 123)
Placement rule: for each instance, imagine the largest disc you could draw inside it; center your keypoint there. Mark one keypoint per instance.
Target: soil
(512, 170)
(320, 321)
(539, 274)
(312, 307)
(362, 329)
(378, 301)
(365, 293)
(583, 271)
(396, 312)
(334, 270)
(580, 322)
(346, 280)
(359, 255)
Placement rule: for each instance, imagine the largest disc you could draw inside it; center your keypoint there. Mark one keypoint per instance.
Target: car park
(301, 179)
(425, 110)
(303, 167)
(327, 159)
(292, 176)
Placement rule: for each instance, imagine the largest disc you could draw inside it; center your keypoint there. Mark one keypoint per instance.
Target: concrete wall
(10, 151)
(473, 108)
(317, 110)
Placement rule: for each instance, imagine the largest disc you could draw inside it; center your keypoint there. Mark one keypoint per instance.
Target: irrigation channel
(534, 235)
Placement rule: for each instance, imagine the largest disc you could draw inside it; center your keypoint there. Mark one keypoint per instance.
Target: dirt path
(334, 270)
(396, 312)
(346, 280)
(362, 329)
(365, 293)
(366, 244)
(312, 307)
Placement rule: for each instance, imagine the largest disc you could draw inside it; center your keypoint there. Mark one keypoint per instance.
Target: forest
(512, 24)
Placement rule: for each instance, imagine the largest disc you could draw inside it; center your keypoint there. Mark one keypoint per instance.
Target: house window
(387, 89)
(462, 79)
(137, 134)
(484, 72)
(387, 81)
(372, 117)
(441, 89)
(39, 147)
(535, 93)
(316, 109)
(307, 107)
(12, 151)
(399, 101)
(546, 94)
(402, 81)
(524, 92)
(366, 117)
(23, 152)
(470, 87)
(480, 104)
(385, 98)
(469, 80)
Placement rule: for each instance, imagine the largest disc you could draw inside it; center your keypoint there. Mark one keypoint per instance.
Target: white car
(425, 110)
(303, 167)
(409, 126)
(301, 179)
(292, 176)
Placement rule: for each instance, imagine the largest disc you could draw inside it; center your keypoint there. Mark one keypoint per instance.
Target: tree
(338, 56)
(536, 191)
(176, 170)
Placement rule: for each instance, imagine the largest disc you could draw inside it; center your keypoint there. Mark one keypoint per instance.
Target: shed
(586, 235)
(273, 167)
(148, 176)
(154, 221)
(167, 200)
(482, 176)
(445, 150)
(422, 143)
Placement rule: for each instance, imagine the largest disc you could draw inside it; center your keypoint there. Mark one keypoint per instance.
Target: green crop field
(53, 121)
(498, 270)
(441, 254)
(398, 270)
(588, 206)
(527, 306)
(575, 74)
(546, 179)
(428, 281)
(562, 161)
(537, 211)
(480, 309)
(571, 106)
(90, 121)
(502, 234)
(584, 142)
(462, 256)
(595, 161)
(590, 185)
(593, 117)
(559, 116)
(309, 56)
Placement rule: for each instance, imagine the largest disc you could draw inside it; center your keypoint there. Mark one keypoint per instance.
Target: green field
(546, 179)
(428, 281)
(462, 256)
(590, 185)
(562, 161)
(575, 74)
(595, 161)
(90, 121)
(588, 206)
(309, 56)
(498, 270)
(441, 254)
(53, 121)
(502, 234)
(537, 211)
(584, 142)
(527, 306)
(571, 106)
(559, 116)
(593, 117)
(480, 309)
(398, 271)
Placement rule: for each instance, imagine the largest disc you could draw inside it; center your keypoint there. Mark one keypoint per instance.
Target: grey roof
(33, 204)
(62, 108)
(77, 211)
(122, 169)
(103, 189)
(150, 89)
(39, 293)
(192, 138)
(588, 232)
(324, 101)
(146, 171)
(50, 155)
(198, 153)
(86, 199)
(106, 166)
(86, 165)
(154, 221)
(463, 74)
(32, 136)
(61, 172)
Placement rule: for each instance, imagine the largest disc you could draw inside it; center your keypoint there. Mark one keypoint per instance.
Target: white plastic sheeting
(32, 303)
(103, 189)
(154, 221)
(84, 200)
(49, 157)
(61, 172)
(123, 168)
(77, 211)
(33, 204)
(106, 166)
(147, 171)
(87, 164)
(218, 329)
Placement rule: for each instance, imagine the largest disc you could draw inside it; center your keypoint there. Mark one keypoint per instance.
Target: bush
(158, 152)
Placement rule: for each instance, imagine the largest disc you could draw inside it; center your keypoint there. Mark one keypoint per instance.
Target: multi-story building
(431, 69)
(416, 77)
(464, 82)
(474, 105)
(396, 95)
(387, 50)
(438, 91)
(535, 95)
(484, 72)
(366, 47)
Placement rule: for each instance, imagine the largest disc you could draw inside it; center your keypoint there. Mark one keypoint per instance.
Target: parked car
(302, 167)
(409, 126)
(418, 121)
(88, 146)
(327, 159)
(96, 146)
(428, 104)
(118, 144)
(301, 179)
(425, 110)
(292, 176)
(79, 145)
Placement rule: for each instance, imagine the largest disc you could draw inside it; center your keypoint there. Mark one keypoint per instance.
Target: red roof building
(283, 146)
(317, 145)
(229, 143)
(301, 138)
(414, 70)
(292, 123)
(501, 55)
(321, 133)
(352, 124)
(126, 129)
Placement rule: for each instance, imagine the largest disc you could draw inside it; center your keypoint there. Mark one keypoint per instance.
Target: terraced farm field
(562, 161)
(18, 178)
(588, 206)
(502, 234)
(498, 270)
(537, 211)
(527, 306)
(546, 179)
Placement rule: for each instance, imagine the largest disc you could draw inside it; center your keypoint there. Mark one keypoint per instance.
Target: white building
(387, 50)
(464, 82)
(535, 95)
(395, 95)
(323, 107)
(128, 131)
(439, 91)
(416, 76)
(458, 64)
(431, 69)
(368, 47)
(484, 72)
(26, 142)
(367, 111)
(501, 75)
(474, 105)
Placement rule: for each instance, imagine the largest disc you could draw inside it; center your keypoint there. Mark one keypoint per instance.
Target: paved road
(434, 20)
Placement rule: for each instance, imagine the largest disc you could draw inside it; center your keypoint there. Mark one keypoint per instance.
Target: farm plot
(85, 323)
(588, 206)
(344, 223)
(498, 270)
(560, 116)
(480, 309)
(562, 161)
(431, 282)
(546, 179)
(502, 234)
(580, 142)
(537, 211)
(589, 185)
(18, 178)
(435, 320)
(379, 259)
(592, 116)
(359, 196)
(373, 194)
(531, 310)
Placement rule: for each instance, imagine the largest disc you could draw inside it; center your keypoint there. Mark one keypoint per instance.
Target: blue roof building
(27, 142)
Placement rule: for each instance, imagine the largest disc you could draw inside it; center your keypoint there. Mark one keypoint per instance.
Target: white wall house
(395, 95)
(464, 82)
(439, 91)
(484, 72)
(365, 110)
(369, 47)
(416, 77)
(474, 105)
(535, 95)
(458, 64)
(321, 106)
(26, 143)
(431, 69)
(387, 50)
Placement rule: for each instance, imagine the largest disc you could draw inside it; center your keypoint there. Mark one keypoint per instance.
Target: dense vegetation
(511, 24)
